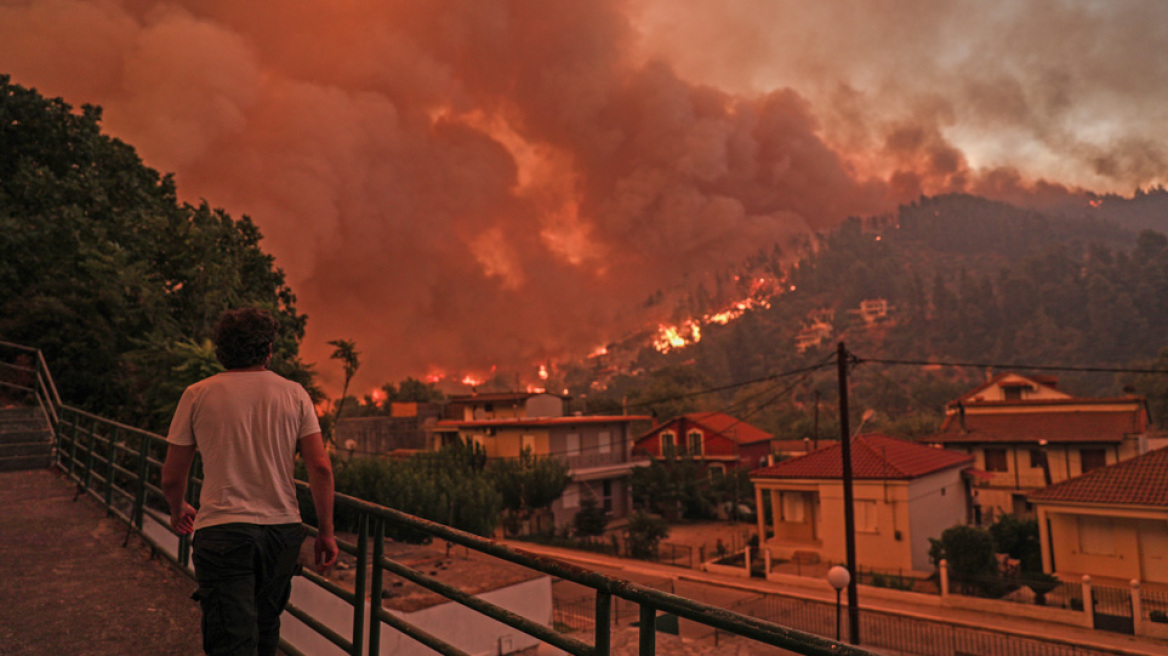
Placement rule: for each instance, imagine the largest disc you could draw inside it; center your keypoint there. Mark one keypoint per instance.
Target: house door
(1153, 550)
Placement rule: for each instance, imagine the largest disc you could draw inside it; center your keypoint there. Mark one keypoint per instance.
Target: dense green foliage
(591, 520)
(969, 551)
(527, 484)
(966, 280)
(643, 533)
(1018, 538)
(680, 488)
(106, 272)
(449, 486)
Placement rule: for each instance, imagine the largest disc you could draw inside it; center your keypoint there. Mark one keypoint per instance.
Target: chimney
(961, 416)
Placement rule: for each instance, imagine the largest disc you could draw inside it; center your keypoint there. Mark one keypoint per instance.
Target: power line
(998, 365)
(825, 362)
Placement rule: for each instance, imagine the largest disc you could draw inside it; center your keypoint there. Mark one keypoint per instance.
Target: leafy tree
(108, 274)
(412, 390)
(346, 352)
(969, 550)
(448, 486)
(643, 533)
(528, 483)
(674, 488)
(590, 520)
(1018, 537)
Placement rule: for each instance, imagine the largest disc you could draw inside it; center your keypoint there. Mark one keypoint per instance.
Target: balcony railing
(120, 466)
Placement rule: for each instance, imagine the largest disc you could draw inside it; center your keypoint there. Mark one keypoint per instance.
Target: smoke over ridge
(460, 184)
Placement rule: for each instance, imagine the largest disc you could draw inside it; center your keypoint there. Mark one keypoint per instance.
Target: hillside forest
(120, 284)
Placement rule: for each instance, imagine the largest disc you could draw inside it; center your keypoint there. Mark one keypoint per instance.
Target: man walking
(247, 423)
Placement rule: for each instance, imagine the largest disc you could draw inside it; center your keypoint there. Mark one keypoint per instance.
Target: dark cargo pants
(245, 578)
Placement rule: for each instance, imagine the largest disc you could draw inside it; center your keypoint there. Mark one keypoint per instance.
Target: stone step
(25, 449)
(25, 462)
(20, 412)
(23, 436)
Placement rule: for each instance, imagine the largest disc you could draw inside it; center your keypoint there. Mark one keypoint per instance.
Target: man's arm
(175, 469)
(320, 480)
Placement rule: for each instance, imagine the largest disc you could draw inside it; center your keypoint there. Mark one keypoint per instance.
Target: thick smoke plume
(461, 184)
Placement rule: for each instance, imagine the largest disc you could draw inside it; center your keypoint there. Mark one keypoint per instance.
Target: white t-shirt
(246, 425)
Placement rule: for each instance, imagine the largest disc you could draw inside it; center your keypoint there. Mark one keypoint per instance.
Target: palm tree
(346, 352)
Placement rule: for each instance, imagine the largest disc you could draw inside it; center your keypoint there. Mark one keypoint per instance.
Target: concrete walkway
(68, 587)
(818, 589)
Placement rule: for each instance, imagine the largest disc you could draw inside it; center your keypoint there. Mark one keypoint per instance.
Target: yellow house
(597, 450)
(1026, 434)
(1111, 522)
(905, 493)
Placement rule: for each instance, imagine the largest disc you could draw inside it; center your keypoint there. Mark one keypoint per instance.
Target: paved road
(723, 591)
(68, 587)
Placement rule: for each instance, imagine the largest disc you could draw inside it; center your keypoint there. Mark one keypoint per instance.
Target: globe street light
(839, 578)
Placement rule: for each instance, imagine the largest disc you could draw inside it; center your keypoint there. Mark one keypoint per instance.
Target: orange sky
(463, 184)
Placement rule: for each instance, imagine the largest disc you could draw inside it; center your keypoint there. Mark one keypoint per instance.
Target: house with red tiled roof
(1025, 434)
(1111, 522)
(905, 493)
(718, 440)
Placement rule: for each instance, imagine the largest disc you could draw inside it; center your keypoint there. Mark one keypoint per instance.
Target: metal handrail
(100, 456)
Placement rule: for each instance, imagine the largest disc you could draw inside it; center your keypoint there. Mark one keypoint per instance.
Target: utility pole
(815, 438)
(849, 499)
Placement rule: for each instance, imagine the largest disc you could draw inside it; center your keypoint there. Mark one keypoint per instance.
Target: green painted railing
(120, 466)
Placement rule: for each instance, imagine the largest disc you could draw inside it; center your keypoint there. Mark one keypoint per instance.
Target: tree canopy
(114, 279)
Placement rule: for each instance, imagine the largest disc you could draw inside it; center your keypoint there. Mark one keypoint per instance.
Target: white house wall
(460, 626)
(936, 502)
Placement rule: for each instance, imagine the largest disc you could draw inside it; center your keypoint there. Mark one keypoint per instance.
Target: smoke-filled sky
(460, 184)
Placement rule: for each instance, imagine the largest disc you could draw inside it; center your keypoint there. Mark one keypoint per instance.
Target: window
(1013, 393)
(667, 444)
(995, 460)
(694, 439)
(1097, 535)
(1036, 458)
(573, 444)
(1091, 459)
(792, 506)
(866, 516)
(604, 442)
(607, 489)
(572, 495)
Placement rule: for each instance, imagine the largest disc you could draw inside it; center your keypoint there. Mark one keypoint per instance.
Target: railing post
(648, 631)
(111, 454)
(377, 586)
(603, 617)
(1088, 602)
(944, 577)
(89, 454)
(359, 584)
(1137, 607)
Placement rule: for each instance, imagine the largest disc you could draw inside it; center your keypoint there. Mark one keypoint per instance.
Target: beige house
(905, 493)
(1026, 434)
(1111, 523)
(597, 449)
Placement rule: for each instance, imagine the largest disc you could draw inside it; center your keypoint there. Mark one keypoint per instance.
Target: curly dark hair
(244, 337)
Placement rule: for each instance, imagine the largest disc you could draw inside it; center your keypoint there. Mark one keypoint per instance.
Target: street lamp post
(839, 578)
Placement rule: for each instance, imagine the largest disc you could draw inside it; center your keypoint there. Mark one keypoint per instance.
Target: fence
(119, 466)
(1154, 605)
(1020, 589)
(878, 630)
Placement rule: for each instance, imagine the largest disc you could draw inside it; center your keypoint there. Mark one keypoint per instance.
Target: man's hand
(182, 519)
(325, 551)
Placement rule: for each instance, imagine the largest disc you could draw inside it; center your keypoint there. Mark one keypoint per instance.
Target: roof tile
(874, 456)
(1140, 481)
